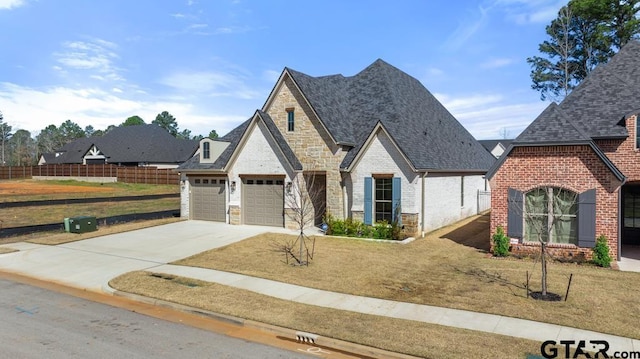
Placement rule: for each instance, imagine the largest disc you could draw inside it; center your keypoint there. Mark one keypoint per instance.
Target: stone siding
(309, 141)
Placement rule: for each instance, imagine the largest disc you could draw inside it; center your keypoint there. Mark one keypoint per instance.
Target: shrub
(601, 255)
(382, 230)
(500, 243)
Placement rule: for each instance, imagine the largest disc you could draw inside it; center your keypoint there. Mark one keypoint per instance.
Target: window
(637, 135)
(290, 120)
(383, 199)
(206, 151)
(551, 208)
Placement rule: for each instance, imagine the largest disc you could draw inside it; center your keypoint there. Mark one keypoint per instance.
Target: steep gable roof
(430, 137)
(236, 136)
(598, 106)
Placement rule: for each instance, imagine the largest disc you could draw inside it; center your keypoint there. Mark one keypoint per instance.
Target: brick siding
(576, 168)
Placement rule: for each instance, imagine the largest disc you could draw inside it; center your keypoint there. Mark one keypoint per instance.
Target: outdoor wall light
(288, 187)
(233, 186)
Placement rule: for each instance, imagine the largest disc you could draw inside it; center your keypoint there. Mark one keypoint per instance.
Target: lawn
(403, 336)
(448, 268)
(32, 190)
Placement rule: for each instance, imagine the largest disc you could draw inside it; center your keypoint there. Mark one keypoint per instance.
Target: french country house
(578, 162)
(375, 146)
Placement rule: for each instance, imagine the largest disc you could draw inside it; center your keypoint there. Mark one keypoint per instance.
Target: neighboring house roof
(489, 145)
(140, 143)
(349, 108)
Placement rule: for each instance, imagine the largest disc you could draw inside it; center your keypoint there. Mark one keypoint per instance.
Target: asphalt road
(38, 323)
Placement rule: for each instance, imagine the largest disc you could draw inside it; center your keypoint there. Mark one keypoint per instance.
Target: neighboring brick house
(587, 147)
(139, 145)
(373, 143)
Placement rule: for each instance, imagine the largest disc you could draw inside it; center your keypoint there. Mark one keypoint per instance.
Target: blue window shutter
(396, 196)
(368, 199)
(587, 219)
(515, 210)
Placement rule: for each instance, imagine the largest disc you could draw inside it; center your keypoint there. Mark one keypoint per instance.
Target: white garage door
(263, 201)
(208, 199)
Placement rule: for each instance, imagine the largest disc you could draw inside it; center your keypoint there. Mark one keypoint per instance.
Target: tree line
(585, 34)
(20, 148)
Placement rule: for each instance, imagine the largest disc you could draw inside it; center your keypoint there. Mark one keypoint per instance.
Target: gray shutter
(515, 209)
(587, 219)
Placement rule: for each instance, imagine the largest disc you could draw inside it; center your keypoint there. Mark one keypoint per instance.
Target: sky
(212, 63)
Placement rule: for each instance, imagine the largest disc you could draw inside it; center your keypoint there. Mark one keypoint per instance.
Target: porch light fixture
(289, 186)
(233, 186)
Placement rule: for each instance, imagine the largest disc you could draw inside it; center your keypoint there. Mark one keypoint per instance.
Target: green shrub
(382, 230)
(601, 255)
(500, 243)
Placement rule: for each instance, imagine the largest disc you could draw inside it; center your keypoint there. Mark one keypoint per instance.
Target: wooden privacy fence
(149, 175)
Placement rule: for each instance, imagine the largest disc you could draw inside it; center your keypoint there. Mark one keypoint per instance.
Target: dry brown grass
(404, 336)
(49, 238)
(4, 250)
(448, 268)
(32, 190)
(25, 216)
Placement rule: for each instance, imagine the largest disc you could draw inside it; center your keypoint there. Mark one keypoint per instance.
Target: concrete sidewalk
(489, 323)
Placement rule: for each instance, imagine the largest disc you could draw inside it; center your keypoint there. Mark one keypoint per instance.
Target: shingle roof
(430, 137)
(141, 143)
(598, 106)
(234, 138)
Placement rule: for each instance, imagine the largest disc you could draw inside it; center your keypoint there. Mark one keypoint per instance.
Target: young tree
(168, 122)
(303, 200)
(549, 213)
(213, 134)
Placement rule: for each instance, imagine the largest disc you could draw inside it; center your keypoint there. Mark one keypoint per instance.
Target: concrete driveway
(91, 263)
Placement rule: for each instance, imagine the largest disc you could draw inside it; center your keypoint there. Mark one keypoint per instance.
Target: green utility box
(82, 224)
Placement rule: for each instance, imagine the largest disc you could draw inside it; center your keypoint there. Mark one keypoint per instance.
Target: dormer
(210, 149)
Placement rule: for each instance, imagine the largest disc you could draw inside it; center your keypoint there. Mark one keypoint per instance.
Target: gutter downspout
(422, 205)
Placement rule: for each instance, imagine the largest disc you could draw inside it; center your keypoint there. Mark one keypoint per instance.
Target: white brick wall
(383, 157)
(258, 156)
(185, 189)
(443, 199)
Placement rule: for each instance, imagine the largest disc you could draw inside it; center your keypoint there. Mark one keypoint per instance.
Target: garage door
(208, 199)
(263, 201)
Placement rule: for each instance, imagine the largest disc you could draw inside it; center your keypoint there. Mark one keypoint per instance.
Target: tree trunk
(543, 253)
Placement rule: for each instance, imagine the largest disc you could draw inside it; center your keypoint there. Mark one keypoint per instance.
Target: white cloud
(496, 63)
(11, 4)
(209, 83)
(485, 115)
(271, 76)
(96, 56)
(33, 109)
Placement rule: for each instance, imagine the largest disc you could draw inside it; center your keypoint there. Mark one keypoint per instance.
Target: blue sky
(213, 63)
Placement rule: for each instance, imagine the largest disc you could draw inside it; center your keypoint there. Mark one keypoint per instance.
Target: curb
(293, 335)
